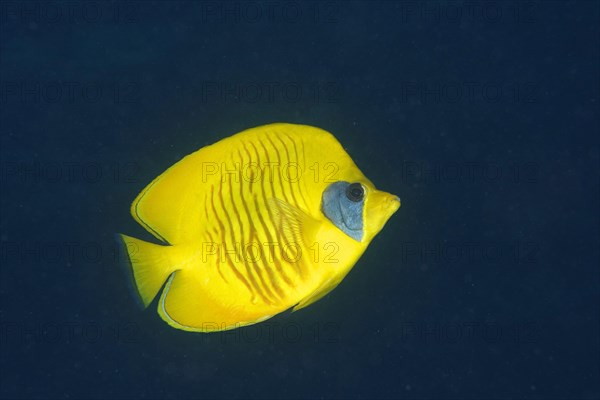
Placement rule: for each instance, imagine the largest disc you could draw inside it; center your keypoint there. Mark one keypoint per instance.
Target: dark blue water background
(481, 116)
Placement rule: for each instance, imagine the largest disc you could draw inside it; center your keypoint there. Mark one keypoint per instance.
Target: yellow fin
(188, 305)
(169, 206)
(294, 222)
(151, 264)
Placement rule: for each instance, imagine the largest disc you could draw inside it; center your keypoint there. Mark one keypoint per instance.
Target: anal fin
(188, 305)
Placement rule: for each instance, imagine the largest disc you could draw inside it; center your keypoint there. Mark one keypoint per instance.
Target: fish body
(271, 218)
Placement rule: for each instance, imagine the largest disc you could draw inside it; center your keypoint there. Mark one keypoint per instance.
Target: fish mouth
(386, 202)
(380, 207)
(394, 203)
(391, 204)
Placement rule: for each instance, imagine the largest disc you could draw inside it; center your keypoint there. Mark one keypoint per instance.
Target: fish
(266, 220)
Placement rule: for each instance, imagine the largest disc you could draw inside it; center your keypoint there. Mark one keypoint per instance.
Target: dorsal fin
(169, 207)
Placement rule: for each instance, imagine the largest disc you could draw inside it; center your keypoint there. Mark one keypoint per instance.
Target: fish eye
(355, 192)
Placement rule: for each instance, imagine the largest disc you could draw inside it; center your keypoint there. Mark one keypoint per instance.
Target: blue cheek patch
(347, 215)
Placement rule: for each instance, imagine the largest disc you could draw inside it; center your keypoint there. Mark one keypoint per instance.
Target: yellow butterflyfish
(271, 218)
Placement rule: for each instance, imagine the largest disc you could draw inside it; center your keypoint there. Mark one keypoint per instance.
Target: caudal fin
(149, 264)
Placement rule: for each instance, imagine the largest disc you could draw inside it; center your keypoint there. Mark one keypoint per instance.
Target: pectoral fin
(294, 223)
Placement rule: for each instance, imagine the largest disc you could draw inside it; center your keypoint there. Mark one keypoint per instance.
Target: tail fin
(150, 264)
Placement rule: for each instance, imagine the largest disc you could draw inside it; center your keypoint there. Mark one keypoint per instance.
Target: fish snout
(389, 202)
(395, 201)
(386, 203)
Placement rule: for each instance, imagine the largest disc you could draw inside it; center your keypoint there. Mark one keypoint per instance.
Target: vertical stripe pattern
(253, 248)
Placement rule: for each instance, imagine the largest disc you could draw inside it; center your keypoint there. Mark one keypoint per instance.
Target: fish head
(358, 209)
